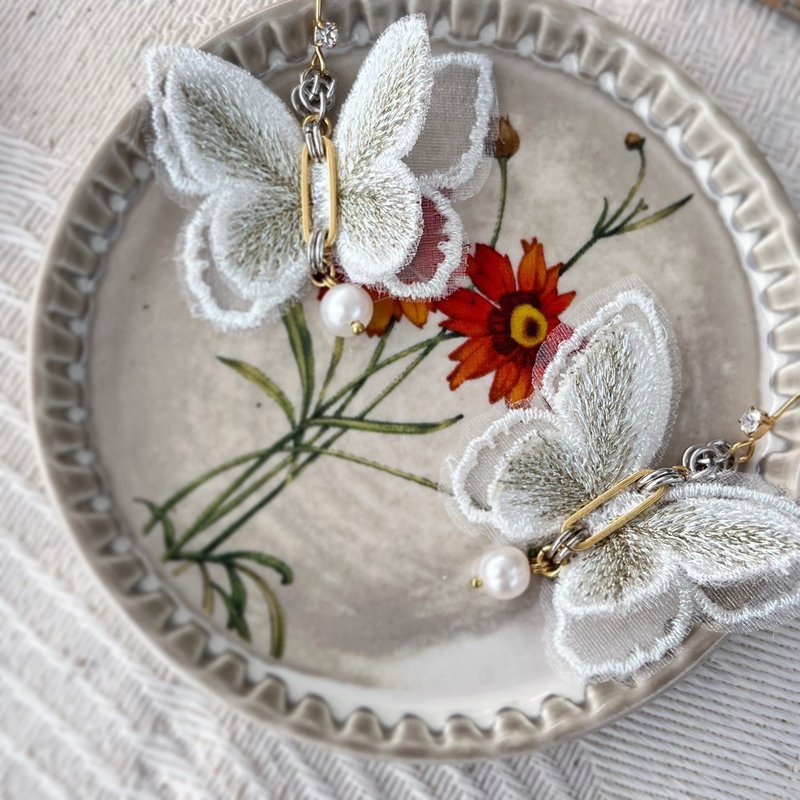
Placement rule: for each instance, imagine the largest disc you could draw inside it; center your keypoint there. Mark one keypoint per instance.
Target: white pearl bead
(345, 308)
(505, 573)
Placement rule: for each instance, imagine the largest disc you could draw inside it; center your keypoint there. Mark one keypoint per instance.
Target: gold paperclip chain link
(550, 559)
(312, 98)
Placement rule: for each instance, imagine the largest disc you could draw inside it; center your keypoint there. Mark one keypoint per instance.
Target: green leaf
(267, 385)
(208, 591)
(657, 217)
(598, 227)
(238, 589)
(276, 626)
(368, 462)
(303, 351)
(377, 426)
(236, 621)
(336, 357)
(281, 567)
(163, 518)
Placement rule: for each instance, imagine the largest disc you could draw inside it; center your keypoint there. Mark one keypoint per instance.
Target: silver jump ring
(313, 139)
(315, 250)
(666, 476)
(566, 541)
(715, 455)
(314, 94)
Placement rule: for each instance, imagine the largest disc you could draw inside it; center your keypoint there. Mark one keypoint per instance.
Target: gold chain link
(542, 562)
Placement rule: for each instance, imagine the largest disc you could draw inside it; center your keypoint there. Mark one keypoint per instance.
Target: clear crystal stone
(326, 35)
(752, 420)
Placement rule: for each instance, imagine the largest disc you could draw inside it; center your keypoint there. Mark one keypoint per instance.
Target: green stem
(234, 526)
(208, 592)
(303, 351)
(294, 321)
(312, 457)
(336, 357)
(502, 162)
(632, 192)
(371, 370)
(174, 499)
(210, 511)
(580, 253)
(368, 462)
(608, 232)
(225, 509)
(353, 388)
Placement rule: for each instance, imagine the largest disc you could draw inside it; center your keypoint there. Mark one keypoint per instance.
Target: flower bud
(634, 141)
(507, 141)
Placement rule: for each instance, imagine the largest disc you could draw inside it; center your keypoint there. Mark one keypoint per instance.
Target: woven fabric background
(87, 709)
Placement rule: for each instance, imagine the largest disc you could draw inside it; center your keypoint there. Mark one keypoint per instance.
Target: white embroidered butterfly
(721, 549)
(411, 134)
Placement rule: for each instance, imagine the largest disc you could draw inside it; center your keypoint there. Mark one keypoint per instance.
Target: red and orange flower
(506, 319)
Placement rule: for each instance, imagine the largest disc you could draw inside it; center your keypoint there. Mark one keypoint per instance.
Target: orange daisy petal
(477, 357)
(551, 281)
(523, 388)
(533, 271)
(466, 327)
(417, 313)
(465, 304)
(505, 379)
(556, 304)
(382, 313)
(491, 272)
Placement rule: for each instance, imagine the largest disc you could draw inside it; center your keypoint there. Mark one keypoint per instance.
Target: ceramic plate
(318, 582)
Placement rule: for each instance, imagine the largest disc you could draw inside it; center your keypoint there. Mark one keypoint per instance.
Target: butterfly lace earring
(280, 207)
(633, 555)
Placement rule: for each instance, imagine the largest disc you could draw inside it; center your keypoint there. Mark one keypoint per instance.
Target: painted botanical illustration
(491, 328)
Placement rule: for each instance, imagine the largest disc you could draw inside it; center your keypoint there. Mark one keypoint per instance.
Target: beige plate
(387, 651)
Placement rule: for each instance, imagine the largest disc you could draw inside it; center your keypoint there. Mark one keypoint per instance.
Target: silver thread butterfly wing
(723, 550)
(226, 141)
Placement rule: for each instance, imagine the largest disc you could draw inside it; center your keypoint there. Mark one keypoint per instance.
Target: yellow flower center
(528, 325)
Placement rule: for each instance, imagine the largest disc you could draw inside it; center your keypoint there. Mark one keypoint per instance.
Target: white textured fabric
(225, 138)
(89, 711)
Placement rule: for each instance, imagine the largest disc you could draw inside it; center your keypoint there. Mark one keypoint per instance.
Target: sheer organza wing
(603, 409)
(516, 481)
(413, 127)
(723, 552)
(613, 377)
(380, 219)
(451, 161)
(617, 608)
(222, 137)
(233, 272)
(216, 124)
(738, 542)
(452, 153)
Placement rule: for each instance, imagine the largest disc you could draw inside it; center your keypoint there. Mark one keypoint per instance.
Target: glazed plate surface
(377, 644)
